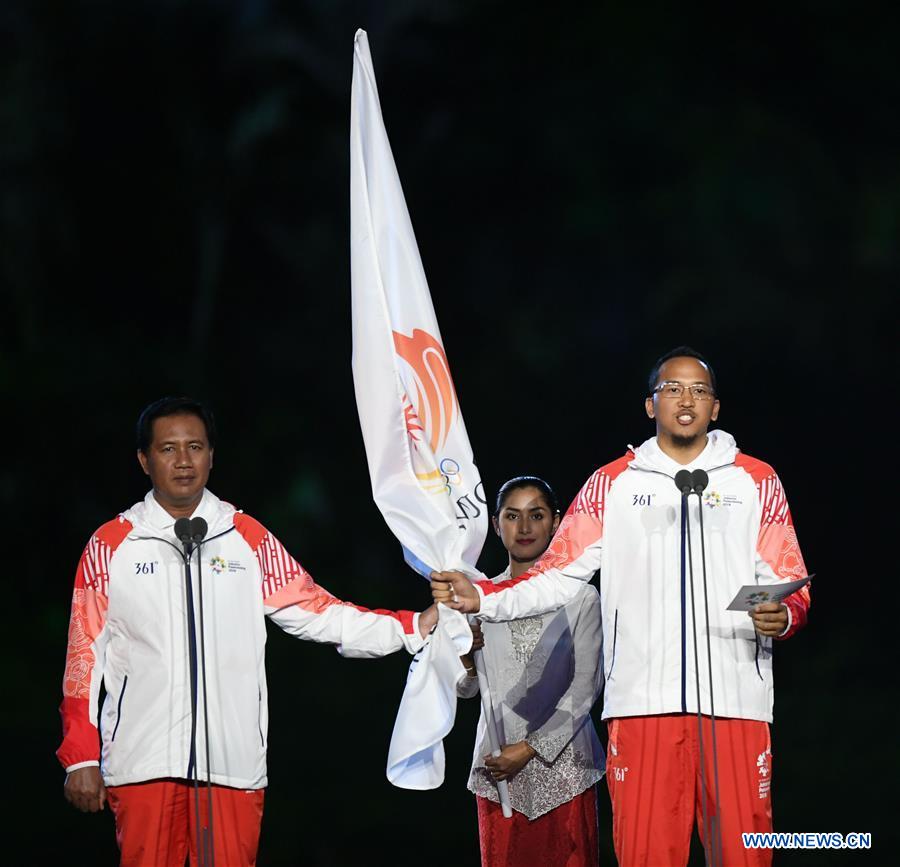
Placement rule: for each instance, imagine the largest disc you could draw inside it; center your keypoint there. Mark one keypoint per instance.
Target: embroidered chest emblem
(712, 498)
(217, 564)
(524, 634)
(716, 498)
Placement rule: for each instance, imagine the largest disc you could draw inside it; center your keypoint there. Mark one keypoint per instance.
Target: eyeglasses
(674, 390)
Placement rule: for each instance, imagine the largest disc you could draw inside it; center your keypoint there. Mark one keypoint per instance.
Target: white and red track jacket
(128, 628)
(626, 523)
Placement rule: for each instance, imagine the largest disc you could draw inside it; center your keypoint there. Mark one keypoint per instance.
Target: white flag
(424, 478)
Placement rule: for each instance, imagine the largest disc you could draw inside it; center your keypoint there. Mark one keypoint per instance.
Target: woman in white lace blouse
(545, 675)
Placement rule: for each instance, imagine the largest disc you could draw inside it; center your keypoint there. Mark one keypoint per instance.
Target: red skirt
(564, 837)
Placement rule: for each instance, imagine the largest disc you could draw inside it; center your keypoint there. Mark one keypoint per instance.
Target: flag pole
(487, 708)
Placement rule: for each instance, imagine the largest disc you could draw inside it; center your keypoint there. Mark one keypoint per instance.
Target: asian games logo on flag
(431, 415)
(436, 406)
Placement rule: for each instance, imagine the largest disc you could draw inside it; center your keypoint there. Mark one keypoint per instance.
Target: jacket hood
(149, 518)
(720, 451)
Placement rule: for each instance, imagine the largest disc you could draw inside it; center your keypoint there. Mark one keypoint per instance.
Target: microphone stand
(487, 708)
(700, 481)
(683, 481)
(689, 483)
(191, 533)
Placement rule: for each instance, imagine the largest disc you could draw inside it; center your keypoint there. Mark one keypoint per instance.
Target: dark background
(589, 188)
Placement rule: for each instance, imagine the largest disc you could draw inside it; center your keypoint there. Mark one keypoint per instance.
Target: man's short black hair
(173, 406)
(681, 352)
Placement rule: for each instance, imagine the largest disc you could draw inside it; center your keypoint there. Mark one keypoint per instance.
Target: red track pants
(156, 823)
(656, 784)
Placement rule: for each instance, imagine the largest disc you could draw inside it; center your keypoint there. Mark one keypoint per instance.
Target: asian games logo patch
(764, 767)
(712, 499)
(218, 564)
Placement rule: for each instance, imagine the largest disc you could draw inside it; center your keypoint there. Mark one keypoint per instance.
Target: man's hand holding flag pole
(424, 478)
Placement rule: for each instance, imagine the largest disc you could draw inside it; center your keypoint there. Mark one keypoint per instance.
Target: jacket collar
(720, 450)
(149, 516)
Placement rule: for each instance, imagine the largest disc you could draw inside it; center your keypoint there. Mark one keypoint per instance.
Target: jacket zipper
(612, 663)
(262, 741)
(119, 707)
(191, 756)
(684, 588)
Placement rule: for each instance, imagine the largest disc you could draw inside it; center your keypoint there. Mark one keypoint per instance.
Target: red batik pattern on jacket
(285, 582)
(87, 645)
(581, 526)
(777, 545)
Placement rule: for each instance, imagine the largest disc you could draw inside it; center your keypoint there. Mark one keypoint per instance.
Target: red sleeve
(285, 582)
(580, 528)
(777, 549)
(85, 652)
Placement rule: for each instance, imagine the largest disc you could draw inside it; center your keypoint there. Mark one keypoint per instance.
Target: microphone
(183, 530)
(699, 481)
(199, 527)
(683, 481)
(191, 530)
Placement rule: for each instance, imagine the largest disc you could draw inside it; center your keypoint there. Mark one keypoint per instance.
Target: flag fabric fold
(428, 707)
(423, 474)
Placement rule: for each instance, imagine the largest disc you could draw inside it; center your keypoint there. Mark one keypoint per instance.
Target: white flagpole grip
(487, 707)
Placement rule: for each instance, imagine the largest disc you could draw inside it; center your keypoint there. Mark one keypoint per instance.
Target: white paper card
(751, 595)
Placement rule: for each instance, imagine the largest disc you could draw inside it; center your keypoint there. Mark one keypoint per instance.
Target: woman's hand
(512, 758)
(477, 637)
(477, 643)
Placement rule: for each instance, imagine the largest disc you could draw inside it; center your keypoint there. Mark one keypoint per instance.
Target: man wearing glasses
(667, 765)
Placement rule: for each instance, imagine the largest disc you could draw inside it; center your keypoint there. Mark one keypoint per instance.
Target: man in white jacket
(627, 525)
(171, 714)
